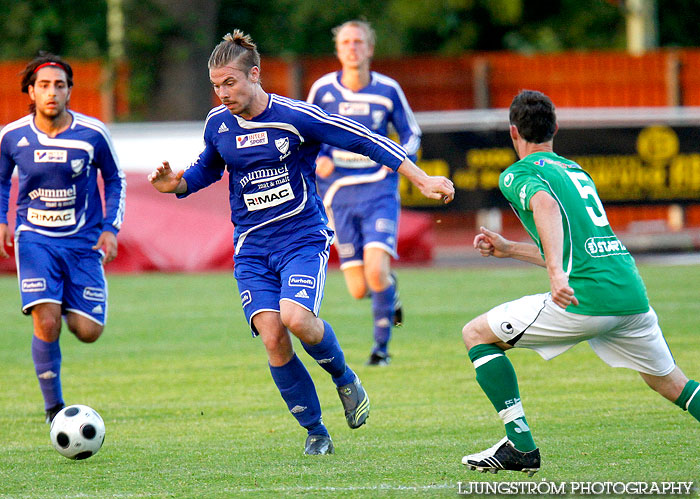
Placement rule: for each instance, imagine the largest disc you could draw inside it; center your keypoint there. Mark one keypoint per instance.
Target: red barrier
(162, 233)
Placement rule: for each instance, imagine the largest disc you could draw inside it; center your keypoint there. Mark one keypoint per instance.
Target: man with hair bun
(268, 145)
(61, 238)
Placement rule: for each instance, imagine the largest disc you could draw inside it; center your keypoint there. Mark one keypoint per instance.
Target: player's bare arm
(324, 166)
(5, 240)
(431, 187)
(549, 227)
(165, 180)
(108, 243)
(490, 243)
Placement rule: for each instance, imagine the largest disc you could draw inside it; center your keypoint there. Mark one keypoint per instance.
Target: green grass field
(191, 409)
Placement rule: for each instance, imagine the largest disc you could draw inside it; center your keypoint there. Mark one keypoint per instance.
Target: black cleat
(51, 413)
(378, 359)
(318, 445)
(356, 403)
(398, 306)
(504, 456)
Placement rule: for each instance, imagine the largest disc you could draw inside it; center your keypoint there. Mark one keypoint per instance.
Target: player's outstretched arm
(431, 187)
(490, 243)
(165, 180)
(5, 240)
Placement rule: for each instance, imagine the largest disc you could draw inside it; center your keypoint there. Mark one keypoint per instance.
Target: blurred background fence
(435, 83)
(632, 121)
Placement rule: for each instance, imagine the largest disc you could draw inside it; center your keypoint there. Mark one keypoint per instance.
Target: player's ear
(30, 92)
(514, 134)
(556, 128)
(254, 74)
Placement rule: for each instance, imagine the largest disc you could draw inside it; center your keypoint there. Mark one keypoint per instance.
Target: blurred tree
(73, 28)
(168, 41)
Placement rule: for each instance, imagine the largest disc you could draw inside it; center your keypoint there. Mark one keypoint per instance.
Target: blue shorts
(72, 277)
(360, 226)
(296, 272)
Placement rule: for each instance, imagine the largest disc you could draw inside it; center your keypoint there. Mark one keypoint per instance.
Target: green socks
(689, 399)
(496, 376)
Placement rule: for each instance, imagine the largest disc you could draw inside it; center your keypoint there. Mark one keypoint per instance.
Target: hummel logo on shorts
(301, 294)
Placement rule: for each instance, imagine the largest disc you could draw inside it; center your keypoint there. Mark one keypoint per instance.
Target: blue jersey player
(61, 237)
(268, 145)
(361, 195)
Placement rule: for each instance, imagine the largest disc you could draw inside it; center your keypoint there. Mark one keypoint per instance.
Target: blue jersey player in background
(361, 195)
(61, 237)
(268, 144)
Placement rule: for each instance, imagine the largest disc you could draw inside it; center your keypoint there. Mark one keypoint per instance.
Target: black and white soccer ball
(77, 432)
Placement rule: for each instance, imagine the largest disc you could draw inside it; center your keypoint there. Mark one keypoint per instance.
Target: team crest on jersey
(353, 108)
(508, 179)
(50, 156)
(251, 140)
(77, 166)
(282, 144)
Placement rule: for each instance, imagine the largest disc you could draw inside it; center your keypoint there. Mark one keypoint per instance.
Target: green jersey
(601, 271)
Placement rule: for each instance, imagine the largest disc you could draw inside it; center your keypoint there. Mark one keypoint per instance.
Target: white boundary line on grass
(415, 488)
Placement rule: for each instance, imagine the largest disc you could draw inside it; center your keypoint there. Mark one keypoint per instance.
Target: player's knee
(358, 292)
(88, 333)
(47, 327)
(470, 335)
(377, 277)
(294, 320)
(277, 345)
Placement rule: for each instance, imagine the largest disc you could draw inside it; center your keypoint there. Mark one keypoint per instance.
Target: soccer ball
(77, 432)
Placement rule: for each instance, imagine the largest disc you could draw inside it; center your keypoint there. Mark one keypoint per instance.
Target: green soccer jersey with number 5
(601, 270)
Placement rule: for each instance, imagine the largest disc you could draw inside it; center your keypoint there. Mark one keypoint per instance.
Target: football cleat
(378, 359)
(356, 403)
(504, 456)
(318, 445)
(51, 413)
(398, 306)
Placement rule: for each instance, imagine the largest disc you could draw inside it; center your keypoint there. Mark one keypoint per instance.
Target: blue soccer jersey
(58, 192)
(271, 164)
(358, 178)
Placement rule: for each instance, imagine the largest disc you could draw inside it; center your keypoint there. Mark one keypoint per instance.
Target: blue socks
(383, 311)
(330, 356)
(298, 391)
(47, 364)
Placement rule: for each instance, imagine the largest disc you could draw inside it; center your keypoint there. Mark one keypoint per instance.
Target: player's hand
(562, 293)
(490, 243)
(108, 243)
(438, 188)
(5, 240)
(324, 166)
(165, 180)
